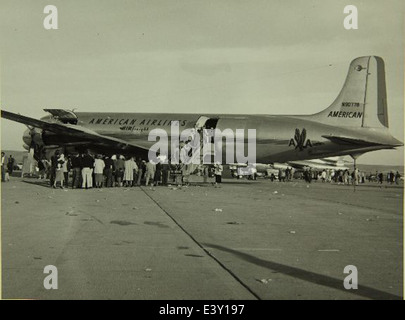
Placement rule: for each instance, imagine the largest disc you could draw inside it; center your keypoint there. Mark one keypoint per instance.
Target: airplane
(355, 123)
(330, 163)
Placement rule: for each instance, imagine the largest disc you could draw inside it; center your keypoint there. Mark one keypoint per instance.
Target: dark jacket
(76, 162)
(109, 163)
(87, 161)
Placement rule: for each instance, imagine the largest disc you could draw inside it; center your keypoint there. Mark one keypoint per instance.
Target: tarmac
(248, 240)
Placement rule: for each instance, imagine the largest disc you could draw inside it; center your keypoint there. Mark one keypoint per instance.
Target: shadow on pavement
(309, 276)
(36, 182)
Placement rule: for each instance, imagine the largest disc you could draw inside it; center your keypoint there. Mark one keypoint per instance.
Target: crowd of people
(88, 171)
(391, 177)
(339, 176)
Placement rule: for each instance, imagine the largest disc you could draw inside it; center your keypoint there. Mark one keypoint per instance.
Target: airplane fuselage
(276, 139)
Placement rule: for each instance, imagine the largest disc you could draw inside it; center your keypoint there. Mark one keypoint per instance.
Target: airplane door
(201, 122)
(206, 123)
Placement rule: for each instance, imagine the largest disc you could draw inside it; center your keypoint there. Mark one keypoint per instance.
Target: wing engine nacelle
(32, 138)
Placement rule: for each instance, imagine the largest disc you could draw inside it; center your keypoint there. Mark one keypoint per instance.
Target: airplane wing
(316, 165)
(77, 133)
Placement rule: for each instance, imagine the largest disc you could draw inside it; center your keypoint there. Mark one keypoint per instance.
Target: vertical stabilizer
(362, 102)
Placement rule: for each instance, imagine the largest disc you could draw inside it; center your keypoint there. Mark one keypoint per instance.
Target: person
(135, 171)
(185, 173)
(253, 173)
(165, 173)
(47, 165)
(3, 167)
(332, 176)
(310, 174)
(205, 172)
(66, 167)
(99, 166)
(287, 174)
(195, 143)
(346, 177)
(150, 172)
(114, 165)
(282, 175)
(76, 174)
(141, 171)
(176, 155)
(356, 177)
(119, 169)
(87, 171)
(380, 177)
(363, 177)
(108, 171)
(339, 176)
(10, 164)
(129, 167)
(41, 170)
(305, 174)
(397, 177)
(292, 171)
(218, 173)
(211, 134)
(323, 175)
(52, 169)
(59, 175)
(158, 174)
(184, 152)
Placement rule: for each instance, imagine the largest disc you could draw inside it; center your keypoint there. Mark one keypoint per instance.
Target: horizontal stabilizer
(351, 141)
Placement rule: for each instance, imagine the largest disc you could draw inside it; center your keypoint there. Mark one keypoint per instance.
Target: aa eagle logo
(299, 141)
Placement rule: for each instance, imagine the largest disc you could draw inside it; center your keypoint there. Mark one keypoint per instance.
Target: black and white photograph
(190, 150)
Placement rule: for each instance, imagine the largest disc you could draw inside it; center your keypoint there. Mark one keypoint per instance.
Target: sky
(189, 56)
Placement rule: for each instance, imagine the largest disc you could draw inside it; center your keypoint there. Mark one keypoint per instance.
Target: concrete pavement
(246, 240)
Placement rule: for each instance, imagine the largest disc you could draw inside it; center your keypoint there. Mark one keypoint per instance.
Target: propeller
(30, 138)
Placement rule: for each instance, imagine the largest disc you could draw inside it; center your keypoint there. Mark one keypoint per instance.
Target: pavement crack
(225, 268)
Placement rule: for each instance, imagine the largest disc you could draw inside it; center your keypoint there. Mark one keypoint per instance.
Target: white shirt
(218, 169)
(99, 165)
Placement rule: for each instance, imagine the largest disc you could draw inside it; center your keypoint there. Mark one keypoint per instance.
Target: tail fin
(362, 102)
